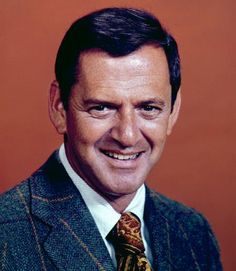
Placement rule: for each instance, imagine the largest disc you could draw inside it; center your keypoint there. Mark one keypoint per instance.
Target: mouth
(122, 157)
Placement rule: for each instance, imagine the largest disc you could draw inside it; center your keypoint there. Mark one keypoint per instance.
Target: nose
(126, 130)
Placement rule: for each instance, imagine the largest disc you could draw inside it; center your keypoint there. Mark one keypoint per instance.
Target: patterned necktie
(127, 241)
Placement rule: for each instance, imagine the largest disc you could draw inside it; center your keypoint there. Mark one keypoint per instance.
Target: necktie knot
(128, 230)
(127, 241)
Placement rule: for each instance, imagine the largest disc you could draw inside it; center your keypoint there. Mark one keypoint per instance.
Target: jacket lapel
(73, 242)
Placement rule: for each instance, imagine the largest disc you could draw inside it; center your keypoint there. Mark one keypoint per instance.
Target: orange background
(198, 165)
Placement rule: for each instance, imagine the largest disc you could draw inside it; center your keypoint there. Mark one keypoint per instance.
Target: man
(115, 99)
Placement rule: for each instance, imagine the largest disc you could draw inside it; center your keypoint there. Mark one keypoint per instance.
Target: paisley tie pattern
(127, 241)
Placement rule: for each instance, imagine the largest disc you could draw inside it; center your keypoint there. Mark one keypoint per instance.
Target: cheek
(155, 131)
(87, 131)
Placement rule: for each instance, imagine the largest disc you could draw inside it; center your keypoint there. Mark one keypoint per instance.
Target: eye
(150, 111)
(149, 108)
(99, 107)
(100, 110)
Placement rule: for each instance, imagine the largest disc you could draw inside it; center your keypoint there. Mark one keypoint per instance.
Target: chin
(124, 188)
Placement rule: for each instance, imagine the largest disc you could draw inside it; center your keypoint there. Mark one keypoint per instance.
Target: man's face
(118, 118)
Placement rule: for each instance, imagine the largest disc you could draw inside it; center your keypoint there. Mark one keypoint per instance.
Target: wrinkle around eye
(150, 114)
(101, 113)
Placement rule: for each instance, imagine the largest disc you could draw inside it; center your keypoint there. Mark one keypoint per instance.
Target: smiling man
(115, 100)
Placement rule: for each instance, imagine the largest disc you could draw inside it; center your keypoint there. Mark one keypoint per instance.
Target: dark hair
(119, 32)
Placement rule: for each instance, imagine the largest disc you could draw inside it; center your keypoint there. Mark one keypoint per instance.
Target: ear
(175, 113)
(56, 109)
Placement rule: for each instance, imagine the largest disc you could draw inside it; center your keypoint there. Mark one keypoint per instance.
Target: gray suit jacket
(45, 225)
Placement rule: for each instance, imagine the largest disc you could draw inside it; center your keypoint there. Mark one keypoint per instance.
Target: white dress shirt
(103, 213)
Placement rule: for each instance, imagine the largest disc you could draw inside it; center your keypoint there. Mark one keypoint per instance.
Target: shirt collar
(97, 205)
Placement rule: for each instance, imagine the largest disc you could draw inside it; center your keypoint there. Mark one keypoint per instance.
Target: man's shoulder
(176, 212)
(13, 203)
(184, 227)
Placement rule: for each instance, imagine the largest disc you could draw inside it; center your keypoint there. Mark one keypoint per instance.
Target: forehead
(145, 69)
(147, 60)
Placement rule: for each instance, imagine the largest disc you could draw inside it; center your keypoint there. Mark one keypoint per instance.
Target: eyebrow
(97, 101)
(156, 101)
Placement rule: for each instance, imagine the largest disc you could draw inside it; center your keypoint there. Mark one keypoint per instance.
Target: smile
(122, 157)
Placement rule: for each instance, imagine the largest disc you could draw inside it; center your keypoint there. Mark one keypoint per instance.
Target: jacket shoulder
(176, 211)
(188, 230)
(13, 203)
(179, 216)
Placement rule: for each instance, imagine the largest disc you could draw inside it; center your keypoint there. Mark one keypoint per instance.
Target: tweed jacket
(45, 225)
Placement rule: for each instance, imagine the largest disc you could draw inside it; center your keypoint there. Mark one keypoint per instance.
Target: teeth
(122, 156)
